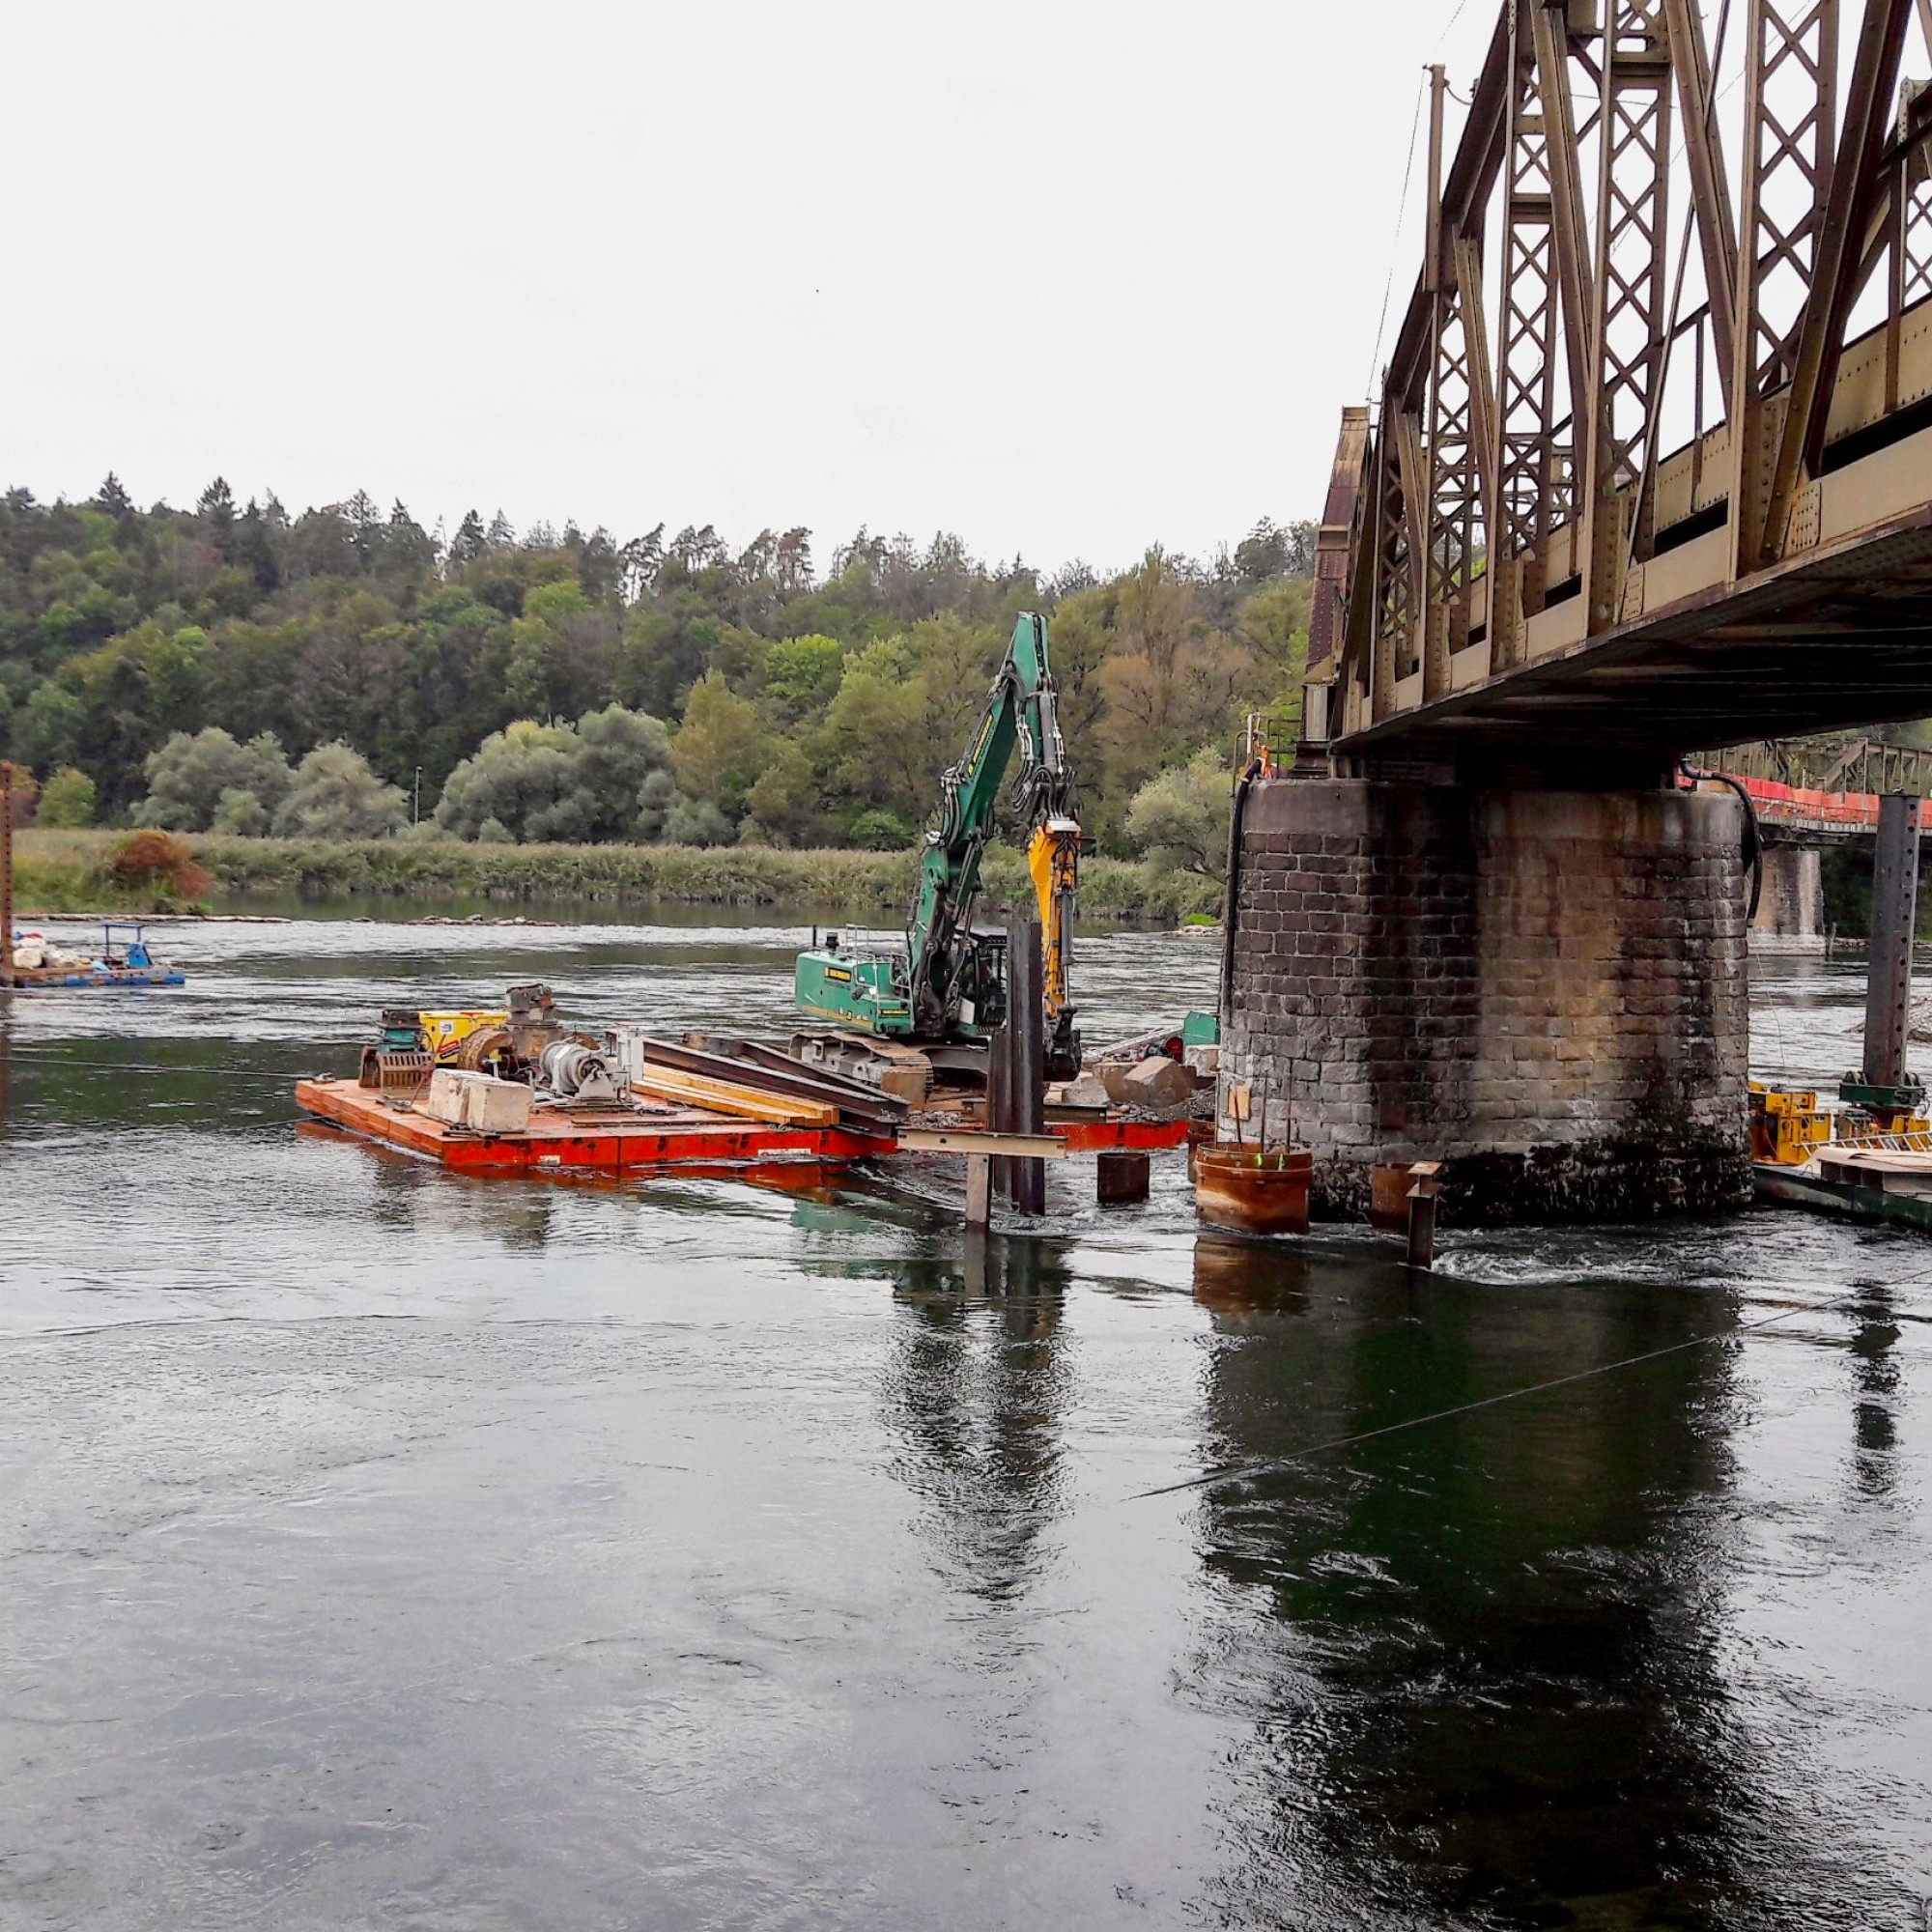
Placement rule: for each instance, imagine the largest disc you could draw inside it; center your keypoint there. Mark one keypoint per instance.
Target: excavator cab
(983, 983)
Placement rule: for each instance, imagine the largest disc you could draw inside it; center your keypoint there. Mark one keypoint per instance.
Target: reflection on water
(975, 1393)
(1480, 1656)
(1875, 1376)
(691, 1551)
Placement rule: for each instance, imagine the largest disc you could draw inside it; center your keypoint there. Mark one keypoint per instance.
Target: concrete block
(497, 1106)
(461, 1100)
(444, 1099)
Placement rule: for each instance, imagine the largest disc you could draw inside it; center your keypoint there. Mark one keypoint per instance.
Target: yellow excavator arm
(1052, 859)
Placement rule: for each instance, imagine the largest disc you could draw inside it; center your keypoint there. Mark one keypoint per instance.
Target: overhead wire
(1400, 214)
(1442, 38)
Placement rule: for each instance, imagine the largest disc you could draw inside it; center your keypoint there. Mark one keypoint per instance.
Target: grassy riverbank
(67, 871)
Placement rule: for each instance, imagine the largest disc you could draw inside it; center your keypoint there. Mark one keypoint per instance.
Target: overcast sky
(1063, 278)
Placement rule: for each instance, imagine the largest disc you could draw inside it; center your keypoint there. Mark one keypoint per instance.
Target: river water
(383, 1548)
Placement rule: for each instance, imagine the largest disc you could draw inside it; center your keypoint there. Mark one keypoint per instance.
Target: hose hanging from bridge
(1231, 905)
(1752, 850)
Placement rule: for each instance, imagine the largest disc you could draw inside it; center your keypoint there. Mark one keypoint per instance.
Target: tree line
(345, 672)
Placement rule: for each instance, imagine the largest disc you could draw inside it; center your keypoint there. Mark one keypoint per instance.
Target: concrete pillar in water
(1545, 990)
(1791, 904)
(1894, 905)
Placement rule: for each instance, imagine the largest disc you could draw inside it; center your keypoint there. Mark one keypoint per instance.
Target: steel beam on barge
(975, 1140)
(756, 1053)
(873, 1108)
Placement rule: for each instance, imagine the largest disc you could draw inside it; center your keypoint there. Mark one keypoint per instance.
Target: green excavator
(941, 997)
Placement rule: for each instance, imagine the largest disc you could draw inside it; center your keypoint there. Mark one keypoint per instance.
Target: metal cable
(1388, 284)
(1243, 1471)
(50, 1057)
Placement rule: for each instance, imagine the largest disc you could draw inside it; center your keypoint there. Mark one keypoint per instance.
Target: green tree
(555, 781)
(876, 745)
(1272, 626)
(189, 775)
(240, 814)
(335, 795)
(666, 647)
(470, 542)
(697, 822)
(801, 675)
(721, 746)
(1179, 817)
(67, 799)
(618, 752)
(46, 729)
(521, 777)
(789, 800)
(1171, 681)
(132, 692)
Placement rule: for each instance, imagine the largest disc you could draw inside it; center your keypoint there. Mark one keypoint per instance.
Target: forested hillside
(341, 672)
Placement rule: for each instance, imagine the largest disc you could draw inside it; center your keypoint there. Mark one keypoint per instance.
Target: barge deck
(624, 1139)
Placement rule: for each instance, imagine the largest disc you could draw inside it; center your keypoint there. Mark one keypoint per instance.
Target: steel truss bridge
(1821, 792)
(1650, 466)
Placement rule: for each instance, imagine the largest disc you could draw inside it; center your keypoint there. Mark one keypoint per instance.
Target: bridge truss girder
(1556, 428)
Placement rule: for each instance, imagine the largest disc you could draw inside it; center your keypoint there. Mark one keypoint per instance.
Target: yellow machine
(1786, 1125)
(445, 1032)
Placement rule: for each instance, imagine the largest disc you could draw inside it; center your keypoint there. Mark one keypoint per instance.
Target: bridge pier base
(1790, 914)
(1545, 990)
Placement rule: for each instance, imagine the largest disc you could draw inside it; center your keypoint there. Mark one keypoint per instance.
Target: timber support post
(979, 1191)
(1894, 909)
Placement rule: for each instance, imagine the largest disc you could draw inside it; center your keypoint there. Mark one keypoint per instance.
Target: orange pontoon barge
(603, 1140)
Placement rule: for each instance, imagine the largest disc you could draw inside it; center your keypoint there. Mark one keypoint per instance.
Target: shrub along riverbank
(68, 871)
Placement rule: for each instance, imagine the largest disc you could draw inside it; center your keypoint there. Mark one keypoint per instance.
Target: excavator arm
(1020, 717)
(945, 988)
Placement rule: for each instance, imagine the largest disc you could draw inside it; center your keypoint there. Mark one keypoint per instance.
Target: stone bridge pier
(1543, 989)
(1790, 913)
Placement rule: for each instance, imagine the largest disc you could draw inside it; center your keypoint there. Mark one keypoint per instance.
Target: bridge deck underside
(1842, 636)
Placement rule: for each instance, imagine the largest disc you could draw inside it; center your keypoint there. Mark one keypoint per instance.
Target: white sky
(1065, 278)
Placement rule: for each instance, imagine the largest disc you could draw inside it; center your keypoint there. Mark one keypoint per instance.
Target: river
(384, 1548)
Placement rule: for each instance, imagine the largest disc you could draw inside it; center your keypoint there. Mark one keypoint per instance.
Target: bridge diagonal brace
(1710, 189)
(1568, 222)
(1481, 376)
(1855, 186)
